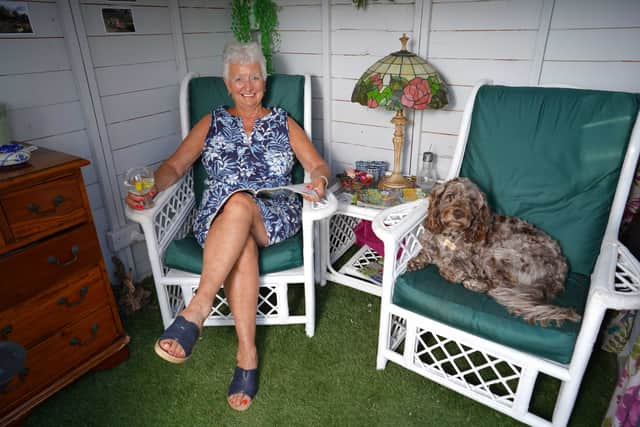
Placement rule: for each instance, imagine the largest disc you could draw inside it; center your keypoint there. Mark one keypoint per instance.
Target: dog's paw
(476, 285)
(417, 262)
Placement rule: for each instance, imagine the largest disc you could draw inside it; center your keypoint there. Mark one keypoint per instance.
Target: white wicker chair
(173, 213)
(496, 374)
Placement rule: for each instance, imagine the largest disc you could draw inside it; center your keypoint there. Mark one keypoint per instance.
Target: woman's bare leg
(227, 239)
(241, 289)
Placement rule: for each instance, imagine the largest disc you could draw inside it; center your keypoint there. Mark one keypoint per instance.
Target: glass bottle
(427, 176)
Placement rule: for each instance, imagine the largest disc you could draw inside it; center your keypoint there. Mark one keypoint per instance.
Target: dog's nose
(458, 213)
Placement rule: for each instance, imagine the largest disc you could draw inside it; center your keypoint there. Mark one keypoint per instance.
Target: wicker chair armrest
(400, 228)
(314, 211)
(164, 221)
(616, 278)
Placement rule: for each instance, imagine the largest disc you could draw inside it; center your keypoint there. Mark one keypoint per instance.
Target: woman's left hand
(318, 185)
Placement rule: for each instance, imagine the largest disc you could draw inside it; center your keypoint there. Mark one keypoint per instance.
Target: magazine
(373, 270)
(303, 189)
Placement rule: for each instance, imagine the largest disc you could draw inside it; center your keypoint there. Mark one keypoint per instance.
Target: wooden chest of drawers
(55, 295)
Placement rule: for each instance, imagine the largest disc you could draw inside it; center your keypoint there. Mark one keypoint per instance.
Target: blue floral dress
(235, 162)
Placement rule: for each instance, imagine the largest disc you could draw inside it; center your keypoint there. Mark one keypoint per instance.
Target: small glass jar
(427, 176)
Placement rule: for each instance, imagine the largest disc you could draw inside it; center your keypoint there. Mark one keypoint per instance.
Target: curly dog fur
(517, 264)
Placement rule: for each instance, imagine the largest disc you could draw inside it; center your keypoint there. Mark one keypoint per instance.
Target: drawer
(48, 207)
(60, 354)
(39, 317)
(38, 267)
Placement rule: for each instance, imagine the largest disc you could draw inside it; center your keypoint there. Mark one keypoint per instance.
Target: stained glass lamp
(398, 81)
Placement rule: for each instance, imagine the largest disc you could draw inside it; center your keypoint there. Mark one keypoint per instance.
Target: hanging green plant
(248, 16)
(241, 20)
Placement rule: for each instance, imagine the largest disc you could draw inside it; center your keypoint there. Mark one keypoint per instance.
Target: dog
(511, 260)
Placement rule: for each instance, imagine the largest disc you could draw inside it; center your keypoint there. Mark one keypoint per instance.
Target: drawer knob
(83, 293)
(94, 334)
(35, 208)
(75, 249)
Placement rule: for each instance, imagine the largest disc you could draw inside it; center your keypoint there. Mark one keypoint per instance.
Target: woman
(243, 146)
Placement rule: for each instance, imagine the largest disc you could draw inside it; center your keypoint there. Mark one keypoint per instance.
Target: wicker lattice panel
(175, 299)
(627, 278)
(167, 214)
(342, 235)
(398, 331)
(268, 303)
(473, 369)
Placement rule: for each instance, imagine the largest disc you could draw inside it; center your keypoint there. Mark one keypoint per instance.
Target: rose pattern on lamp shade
(400, 80)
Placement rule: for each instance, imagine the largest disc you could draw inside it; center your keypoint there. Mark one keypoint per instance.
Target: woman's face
(246, 84)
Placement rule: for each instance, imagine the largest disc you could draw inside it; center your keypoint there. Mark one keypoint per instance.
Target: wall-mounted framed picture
(14, 18)
(118, 20)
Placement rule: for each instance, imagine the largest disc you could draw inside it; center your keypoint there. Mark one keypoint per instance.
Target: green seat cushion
(552, 157)
(186, 255)
(425, 292)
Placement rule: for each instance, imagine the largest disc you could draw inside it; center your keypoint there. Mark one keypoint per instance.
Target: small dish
(15, 154)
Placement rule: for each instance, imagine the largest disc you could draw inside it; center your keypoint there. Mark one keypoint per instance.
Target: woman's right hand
(139, 202)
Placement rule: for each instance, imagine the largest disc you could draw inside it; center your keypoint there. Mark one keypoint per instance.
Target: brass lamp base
(396, 180)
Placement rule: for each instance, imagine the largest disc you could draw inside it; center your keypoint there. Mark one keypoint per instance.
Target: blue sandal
(182, 331)
(244, 381)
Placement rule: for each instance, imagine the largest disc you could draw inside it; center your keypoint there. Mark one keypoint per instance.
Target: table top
(360, 210)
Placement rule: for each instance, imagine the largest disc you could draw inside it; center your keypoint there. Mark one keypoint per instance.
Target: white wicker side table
(338, 238)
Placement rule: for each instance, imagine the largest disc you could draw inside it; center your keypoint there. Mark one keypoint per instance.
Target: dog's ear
(481, 222)
(432, 222)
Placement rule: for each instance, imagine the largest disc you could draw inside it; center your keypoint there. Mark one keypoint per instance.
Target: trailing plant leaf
(265, 20)
(240, 20)
(266, 15)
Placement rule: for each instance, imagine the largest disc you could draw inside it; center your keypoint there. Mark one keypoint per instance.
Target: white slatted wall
(136, 74)
(594, 44)
(206, 25)
(134, 78)
(300, 52)
(357, 41)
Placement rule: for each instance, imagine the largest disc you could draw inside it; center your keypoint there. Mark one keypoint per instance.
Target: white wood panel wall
(470, 41)
(594, 44)
(300, 52)
(590, 43)
(357, 41)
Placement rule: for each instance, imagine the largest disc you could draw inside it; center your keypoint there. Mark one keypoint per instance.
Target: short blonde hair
(243, 53)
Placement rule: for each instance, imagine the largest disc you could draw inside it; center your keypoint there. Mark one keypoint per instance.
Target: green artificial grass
(327, 380)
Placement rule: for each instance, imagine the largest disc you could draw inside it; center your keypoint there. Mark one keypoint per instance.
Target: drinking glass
(140, 181)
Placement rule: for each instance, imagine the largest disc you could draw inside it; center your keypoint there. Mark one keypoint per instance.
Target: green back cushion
(206, 93)
(550, 156)
(424, 291)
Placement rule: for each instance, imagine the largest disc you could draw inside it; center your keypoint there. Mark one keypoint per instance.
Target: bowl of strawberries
(353, 180)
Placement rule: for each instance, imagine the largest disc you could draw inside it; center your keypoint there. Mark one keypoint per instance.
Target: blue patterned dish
(15, 154)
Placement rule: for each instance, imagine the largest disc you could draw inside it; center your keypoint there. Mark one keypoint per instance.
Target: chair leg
(569, 389)
(309, 277)
(383, 339)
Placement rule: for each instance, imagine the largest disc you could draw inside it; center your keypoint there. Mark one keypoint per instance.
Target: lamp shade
(400, 80)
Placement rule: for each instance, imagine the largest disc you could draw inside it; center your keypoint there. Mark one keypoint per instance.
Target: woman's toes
(172, 347)
(239, 400)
